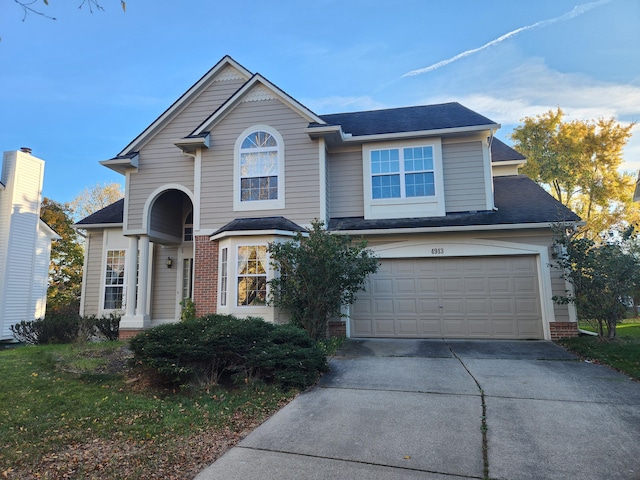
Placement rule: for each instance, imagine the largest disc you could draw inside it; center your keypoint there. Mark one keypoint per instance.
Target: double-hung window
(402, 172)
(252, 275)
(114, 280)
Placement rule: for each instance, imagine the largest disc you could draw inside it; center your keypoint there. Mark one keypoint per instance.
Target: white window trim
(103, 280)
(278, 203)
(405, 207)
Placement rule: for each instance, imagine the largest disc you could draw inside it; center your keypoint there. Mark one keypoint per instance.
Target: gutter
(460, 228)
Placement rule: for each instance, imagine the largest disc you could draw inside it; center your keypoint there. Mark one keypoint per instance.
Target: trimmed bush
(65, 328)
(53, 328)
(202, 350)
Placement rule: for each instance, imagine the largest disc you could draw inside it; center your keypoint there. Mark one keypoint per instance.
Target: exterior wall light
(169, 262)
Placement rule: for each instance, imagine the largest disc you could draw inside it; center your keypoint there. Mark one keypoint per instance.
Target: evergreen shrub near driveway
(203, 350)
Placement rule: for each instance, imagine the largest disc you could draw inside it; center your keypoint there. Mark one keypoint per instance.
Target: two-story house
(235, 163)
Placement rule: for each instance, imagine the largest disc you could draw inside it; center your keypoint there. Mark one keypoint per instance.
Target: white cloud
(577, 10)
(532, 89)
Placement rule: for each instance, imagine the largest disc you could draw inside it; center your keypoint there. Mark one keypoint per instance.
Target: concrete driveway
(447, 410)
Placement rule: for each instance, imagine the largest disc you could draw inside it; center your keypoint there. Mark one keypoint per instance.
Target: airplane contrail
(578, 10)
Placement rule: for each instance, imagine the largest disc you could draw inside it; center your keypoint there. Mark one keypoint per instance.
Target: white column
(143, 281)
(130, 267)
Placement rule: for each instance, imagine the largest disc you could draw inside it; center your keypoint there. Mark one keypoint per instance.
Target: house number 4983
(437, 251)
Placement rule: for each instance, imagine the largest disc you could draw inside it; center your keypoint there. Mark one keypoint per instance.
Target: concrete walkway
(448, 410)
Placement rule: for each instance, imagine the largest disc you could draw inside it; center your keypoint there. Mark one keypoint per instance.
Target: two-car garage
(454, 297)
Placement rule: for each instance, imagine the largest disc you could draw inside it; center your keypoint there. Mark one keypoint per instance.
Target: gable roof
(518, 199)
(272, 89)
(111, 215)
(260, 223)
(182, 102)
(408, 119)
(501, 152)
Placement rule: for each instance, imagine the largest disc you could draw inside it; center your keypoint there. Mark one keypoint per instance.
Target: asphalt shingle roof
(406, 119)
(501, 152)
(110, 214)
(518, 199)
(261, 223)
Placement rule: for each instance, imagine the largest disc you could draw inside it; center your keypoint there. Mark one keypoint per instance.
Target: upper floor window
(259, 169)
(402, 172)
(403, 179)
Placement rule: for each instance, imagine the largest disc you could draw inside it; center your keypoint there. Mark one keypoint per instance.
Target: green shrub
(66, 328)
(108, 326)
(201, 350)
(53, 328)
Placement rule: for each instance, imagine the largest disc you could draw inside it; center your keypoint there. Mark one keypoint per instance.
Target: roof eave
(79, 226)
(122, 164)
(436, 132)
(459, 228)
(191, 144)
(249, 233)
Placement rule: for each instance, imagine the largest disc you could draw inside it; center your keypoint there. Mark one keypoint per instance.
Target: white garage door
(467, 297)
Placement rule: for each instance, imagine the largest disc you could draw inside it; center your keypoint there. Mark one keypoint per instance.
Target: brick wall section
(205, 275)
(563, 330)
(128, 333)
(337, 329)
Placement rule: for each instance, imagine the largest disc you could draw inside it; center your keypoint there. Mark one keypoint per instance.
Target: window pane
(223, 277)
(257, 164)
(419, 184)
(259, 188)
(259, 140)
(385, 186)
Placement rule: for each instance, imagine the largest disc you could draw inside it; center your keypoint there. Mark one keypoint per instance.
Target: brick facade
(563, 330)
(128, 333)
(337, 329)
(205, 275)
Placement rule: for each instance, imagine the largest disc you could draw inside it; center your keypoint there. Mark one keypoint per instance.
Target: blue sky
(78, 89)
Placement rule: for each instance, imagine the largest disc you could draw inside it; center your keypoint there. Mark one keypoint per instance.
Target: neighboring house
(235, 163)
(25, 241)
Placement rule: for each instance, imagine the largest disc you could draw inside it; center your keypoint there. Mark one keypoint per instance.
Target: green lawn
(70, 410)
(623, 354)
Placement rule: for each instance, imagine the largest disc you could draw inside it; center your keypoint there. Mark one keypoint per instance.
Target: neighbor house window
(259, 167)
(224, 275)
(402, 172)
(252, 275)
(114, 280)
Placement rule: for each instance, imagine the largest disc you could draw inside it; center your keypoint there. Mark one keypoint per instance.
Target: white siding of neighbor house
(40, 273)
(20, 212)
(92, 275)
(464, 176)
(161, 162)
(346, 183)
(301, 164)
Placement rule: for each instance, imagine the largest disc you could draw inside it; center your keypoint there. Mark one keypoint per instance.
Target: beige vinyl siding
(164, 295)
(464, 181)
(93, 272)
(346, 183)
(302, 194)
(161, 162)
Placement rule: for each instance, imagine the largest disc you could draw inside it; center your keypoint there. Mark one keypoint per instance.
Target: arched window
(259, 169)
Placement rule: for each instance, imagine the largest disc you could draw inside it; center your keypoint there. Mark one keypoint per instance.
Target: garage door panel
(405, 306)
(502, 306)
(430, 327)
(384, 327)
(479, 297)
(405, 286)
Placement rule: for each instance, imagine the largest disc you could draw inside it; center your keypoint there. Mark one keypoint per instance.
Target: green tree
(67, 258)
(604, 275)
(94, 198)
(319, 273)
(579, 162)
